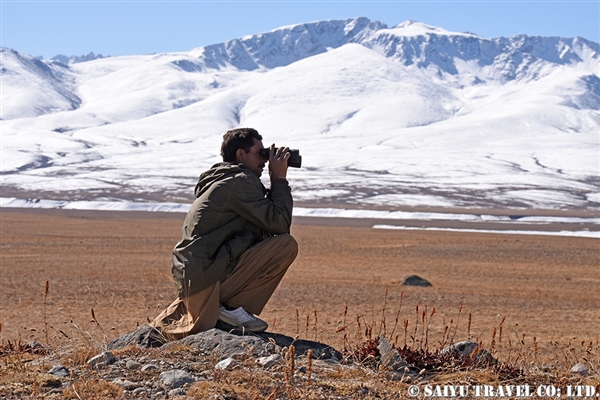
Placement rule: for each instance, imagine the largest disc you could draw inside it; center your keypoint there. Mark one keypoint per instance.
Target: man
(235, 244)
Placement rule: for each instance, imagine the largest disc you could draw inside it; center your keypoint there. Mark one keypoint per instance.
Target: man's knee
(289, 244)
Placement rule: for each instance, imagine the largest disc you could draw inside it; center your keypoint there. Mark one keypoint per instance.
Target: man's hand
(278, 162)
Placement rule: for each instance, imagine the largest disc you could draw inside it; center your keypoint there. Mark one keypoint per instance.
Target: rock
(125, 384)
(145, 337)
(226, 364)
(580, 369)
(273, 359)
(139, 391)
(414, 280)
(223, 344)
(176, 378)
(150, 367)
(226, 340)
(131, 364)
(102, 360)
(390, 359)
(176, 392)
(59, 370)
(469, 348)
(319, 350)
(123, 361)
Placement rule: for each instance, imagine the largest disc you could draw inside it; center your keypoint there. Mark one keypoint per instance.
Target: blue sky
(47, 28)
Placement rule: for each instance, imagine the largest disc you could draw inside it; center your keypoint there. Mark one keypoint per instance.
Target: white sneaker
(242, 318)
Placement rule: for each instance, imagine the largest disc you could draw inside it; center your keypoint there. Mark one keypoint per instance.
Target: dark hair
(242, 138)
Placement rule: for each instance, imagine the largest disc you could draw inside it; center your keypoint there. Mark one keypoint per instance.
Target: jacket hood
(216, 173)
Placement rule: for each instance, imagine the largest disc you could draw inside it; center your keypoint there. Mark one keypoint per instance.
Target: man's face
(252, 160)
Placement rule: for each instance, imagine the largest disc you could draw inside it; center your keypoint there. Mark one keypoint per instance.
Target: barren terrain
(117, 263)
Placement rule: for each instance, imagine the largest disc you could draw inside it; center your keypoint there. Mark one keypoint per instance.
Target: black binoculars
(295, 159)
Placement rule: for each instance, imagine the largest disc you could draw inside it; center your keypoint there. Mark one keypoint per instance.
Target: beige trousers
(250, 285)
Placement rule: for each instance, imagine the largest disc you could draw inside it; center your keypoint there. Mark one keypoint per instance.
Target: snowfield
(411, 115)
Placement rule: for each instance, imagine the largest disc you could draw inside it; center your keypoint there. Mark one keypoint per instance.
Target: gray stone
(125, 384)
(150, 367)
(273, 359)
(176, 392)
(224, 344)
(390, 359)
(59, 370)
(414, 280)
(139, 391)
(131, 364)
(102, 360)
(580, 369)
(469, 348)
(227, 364)
(225, 341)
(144, 337)
(320, 351)
(176, 378)
(123, 361)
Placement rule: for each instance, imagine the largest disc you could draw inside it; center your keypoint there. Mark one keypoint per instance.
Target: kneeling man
(235, 244)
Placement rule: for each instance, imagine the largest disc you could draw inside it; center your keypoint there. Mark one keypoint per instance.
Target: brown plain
(117, 263)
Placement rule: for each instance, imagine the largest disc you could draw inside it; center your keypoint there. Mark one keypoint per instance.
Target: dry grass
(360, 376)
(95, 389)
(531, 301)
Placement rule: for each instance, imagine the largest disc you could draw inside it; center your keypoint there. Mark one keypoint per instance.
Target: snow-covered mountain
(410, 115)
(61, 58)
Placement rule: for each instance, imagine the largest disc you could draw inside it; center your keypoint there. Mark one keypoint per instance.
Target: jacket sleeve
(273, 213)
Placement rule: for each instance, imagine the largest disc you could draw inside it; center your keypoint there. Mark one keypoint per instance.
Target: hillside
(412, 115)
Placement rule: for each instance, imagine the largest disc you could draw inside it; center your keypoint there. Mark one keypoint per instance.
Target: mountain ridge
(428, 116)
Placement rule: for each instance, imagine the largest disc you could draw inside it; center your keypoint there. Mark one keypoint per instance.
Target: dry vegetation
(533, 302)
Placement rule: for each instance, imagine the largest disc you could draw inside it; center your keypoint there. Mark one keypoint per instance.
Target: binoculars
(295, 159)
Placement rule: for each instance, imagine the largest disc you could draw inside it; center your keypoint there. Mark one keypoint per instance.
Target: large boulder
(225, 341)
(224, 344)
(415, 280)
(145, 337)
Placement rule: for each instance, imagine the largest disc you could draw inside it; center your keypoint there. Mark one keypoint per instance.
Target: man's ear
(239, 155)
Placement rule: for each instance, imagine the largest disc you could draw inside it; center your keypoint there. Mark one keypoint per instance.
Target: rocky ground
(72, 282)
(225, 363)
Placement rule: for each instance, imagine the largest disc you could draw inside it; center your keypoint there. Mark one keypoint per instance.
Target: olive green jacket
(232, 211)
